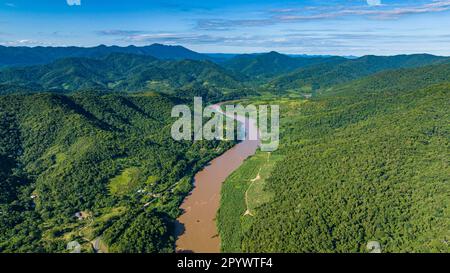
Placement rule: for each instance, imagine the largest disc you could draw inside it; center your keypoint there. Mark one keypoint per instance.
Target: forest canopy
(86, 154)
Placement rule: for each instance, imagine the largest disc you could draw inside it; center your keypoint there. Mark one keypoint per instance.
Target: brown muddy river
(197, 225)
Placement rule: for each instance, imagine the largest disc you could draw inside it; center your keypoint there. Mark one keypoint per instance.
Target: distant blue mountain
(221, 57)
(24, 56)
(316, 56)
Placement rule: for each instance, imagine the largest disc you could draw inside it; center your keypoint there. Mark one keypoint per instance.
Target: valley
(197, 224)
(87, 155)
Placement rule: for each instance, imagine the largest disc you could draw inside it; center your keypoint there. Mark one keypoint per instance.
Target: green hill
(397, 80)
(267, 65)
(323, 76)
(121, 73)
(369, 163)
(64, 154)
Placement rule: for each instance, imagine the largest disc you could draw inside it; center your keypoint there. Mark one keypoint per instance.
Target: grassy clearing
(243, 193)
(93, 225)
(126, 181)
(256, 193)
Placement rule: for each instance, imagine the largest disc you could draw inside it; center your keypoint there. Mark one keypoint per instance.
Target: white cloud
(376, 10)
(374, 2)
(24, 42)
(74, 2)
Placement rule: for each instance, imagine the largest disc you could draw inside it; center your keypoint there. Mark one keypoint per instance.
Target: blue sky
(342, 27)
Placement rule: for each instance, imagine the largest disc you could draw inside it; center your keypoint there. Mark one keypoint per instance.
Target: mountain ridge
(324, 75)
(119, 72)
(24, 56)
(267, 65)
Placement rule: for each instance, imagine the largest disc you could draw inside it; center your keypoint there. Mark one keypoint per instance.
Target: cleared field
(242, 193)
(123, 183)
(255, 194)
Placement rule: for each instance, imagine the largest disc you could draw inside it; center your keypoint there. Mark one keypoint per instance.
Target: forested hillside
(121, 73)
(108, 158)
(396, 81)
(323, 76)
(267, 65)
(368, 164)
(86, 153)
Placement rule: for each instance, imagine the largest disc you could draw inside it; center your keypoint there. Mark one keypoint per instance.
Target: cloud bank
(376, 10)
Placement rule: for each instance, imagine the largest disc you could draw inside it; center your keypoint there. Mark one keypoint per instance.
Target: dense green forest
(86, 153)
(322, 76)
(268, 65)
(110, 158)
(368, 163)
(240, 76)
(118, 72)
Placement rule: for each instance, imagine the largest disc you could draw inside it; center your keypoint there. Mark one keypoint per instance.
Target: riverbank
(241, 194)
(197, 231)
